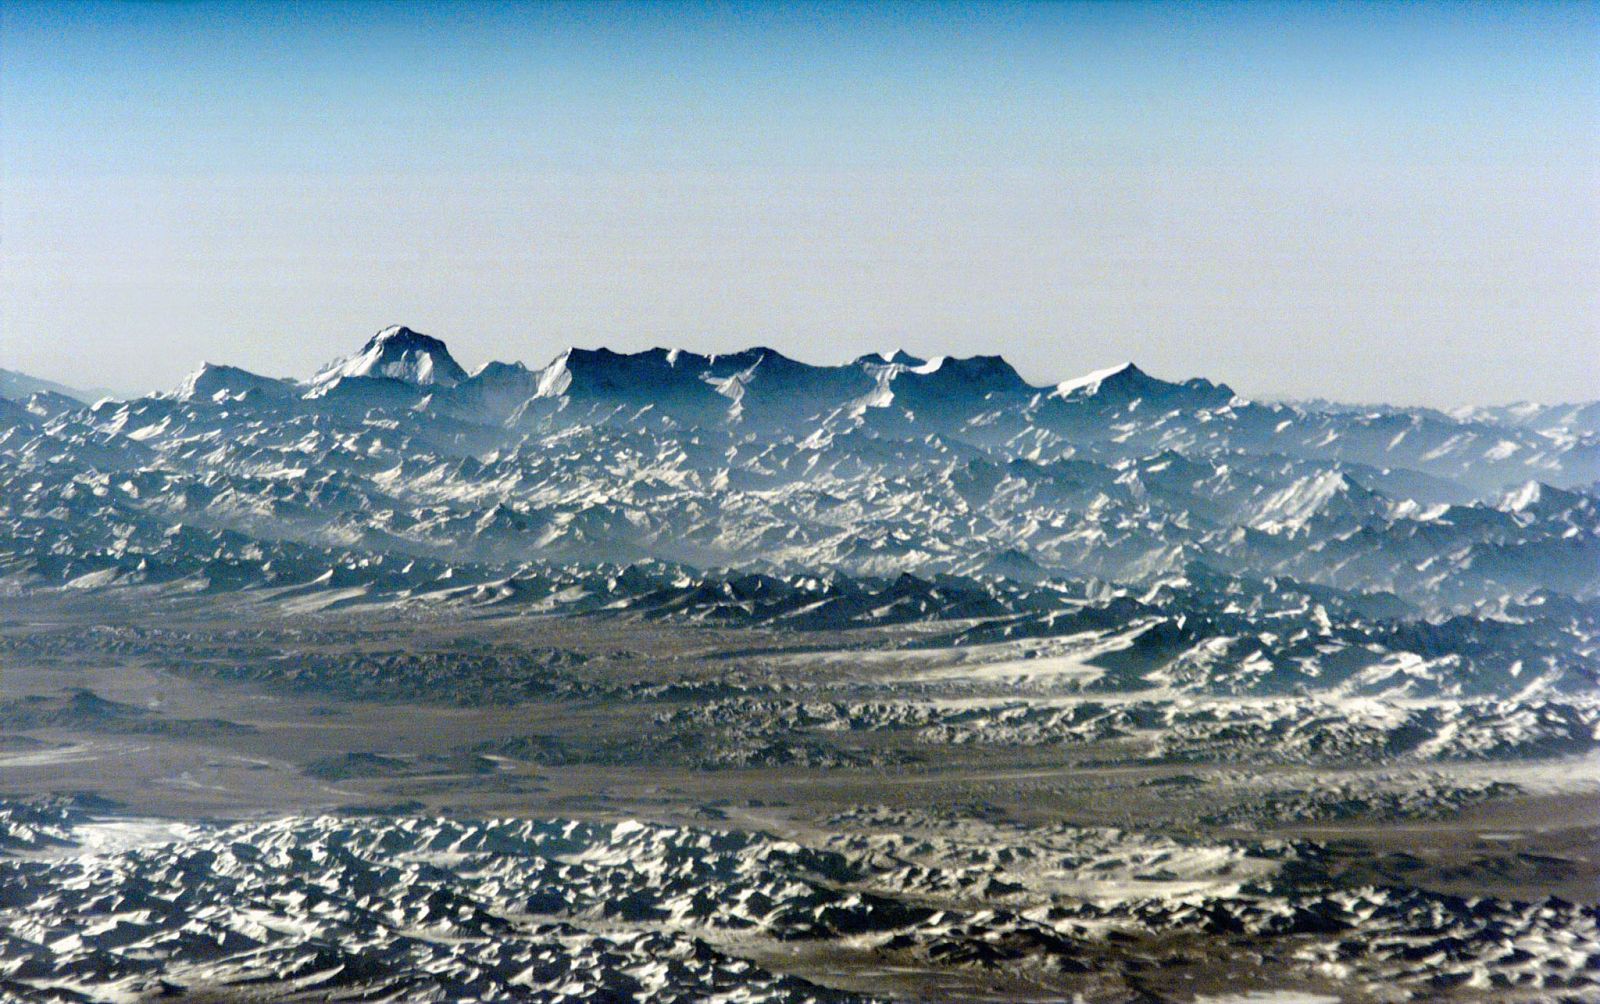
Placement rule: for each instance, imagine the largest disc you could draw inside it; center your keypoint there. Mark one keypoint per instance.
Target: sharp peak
(1337, 478)
(1090, 382)
(397, 352)
(1128, 368)
(1532, 492)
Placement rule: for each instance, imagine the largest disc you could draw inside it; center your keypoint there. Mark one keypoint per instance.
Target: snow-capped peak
(397, 353)
(214, 382)
(1090, 383)
(1522, 498)
(555, 378)
(1129, 385)
(1536, 495)
(1328, 495)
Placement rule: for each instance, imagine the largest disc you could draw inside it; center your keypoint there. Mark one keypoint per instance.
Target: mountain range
(1113, 689)
(395, 466)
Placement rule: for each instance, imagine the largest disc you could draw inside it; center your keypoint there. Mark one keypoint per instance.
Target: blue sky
(1393, 202)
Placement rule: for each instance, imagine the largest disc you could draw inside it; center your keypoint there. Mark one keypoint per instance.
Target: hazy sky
(1361, 201)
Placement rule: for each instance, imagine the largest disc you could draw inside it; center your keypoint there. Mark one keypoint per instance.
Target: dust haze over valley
(669, 676)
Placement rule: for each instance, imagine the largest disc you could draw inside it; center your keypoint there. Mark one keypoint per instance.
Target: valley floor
(217, 800)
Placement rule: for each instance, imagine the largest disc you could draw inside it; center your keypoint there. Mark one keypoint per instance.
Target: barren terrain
(905, 822)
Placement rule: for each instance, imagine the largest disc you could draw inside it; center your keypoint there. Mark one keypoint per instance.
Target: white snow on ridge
(397, 353)
(555, 378)
(1090, 383)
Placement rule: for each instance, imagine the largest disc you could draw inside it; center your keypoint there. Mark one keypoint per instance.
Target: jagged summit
(897, 357)
(1536, 496)
(725, 363)
(1126, 383)
(1330, 496)
(397, 353)
(1123, 374)
(400, 353)
(752, 459)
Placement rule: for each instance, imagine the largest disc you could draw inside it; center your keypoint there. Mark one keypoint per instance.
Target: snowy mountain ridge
(397, 353)
(883, 466)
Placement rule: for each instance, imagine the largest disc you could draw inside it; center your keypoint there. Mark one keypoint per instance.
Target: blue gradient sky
(1394, 202)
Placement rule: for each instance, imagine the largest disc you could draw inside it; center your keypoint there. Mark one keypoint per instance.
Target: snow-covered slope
(883, 466)
(437, 908)
(397, 353)
(230, 383)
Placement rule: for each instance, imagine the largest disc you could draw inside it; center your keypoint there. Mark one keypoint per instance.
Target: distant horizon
(1365, 203)
(474, 367)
